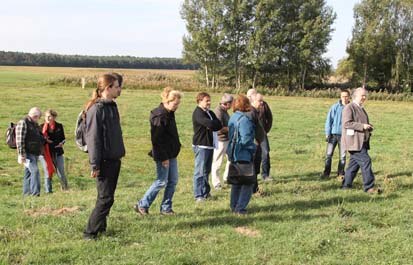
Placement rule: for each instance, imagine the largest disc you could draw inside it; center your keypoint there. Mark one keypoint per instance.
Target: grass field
(298, 220)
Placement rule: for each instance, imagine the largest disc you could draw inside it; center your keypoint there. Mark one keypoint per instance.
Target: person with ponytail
(165, 149)
(105, 149)
(52, 158)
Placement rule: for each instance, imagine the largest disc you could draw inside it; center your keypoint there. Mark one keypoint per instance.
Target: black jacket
(164, 134)
(34, 139)
(204, 126)
(103, 133)
(57, 136)
(265, 116)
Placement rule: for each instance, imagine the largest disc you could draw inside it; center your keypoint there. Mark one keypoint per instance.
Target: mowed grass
(298, 220)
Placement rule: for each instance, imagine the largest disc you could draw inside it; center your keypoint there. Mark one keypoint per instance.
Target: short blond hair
(169, 94)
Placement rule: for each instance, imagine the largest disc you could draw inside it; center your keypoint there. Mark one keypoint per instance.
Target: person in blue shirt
(333, 136)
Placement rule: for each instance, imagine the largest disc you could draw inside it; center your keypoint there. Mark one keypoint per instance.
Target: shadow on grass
(224, 217)
(399, 174)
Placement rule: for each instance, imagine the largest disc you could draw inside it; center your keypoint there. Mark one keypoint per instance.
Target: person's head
(251, 94)
(226, 101)
(171, 98)
(345, 96)
(258, 101)
(241, 103)
(359, 95)
(50, 116)
(35, 114)
(203, 100)
(107, 88)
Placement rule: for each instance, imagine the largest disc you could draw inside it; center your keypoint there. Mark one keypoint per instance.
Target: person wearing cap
(29, 142)
(221, 111)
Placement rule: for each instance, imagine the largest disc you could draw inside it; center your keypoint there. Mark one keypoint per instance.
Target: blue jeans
(359, 159)
(203, 163)
(60, 172)
(167, 177)
(31, 178)
(333, 141)
(240, 197)
(265, 157)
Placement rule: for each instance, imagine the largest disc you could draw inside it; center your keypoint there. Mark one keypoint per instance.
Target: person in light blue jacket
(241, 150)
(333, 136)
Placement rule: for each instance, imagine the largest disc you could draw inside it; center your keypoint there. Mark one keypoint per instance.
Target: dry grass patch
(53, 212)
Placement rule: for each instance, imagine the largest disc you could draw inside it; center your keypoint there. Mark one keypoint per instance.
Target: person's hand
(59, 145)
(21, 159)
(94, 173)
(165, 163)
(367, 127)
(328, 138)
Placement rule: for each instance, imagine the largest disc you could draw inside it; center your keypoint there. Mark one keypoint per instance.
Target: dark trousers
(257, 163)
(359, 159)
(265, 157)
(106, 185)
(333, 141)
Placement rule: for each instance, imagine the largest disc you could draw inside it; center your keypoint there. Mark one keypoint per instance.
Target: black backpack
(80, 131)
(11, 136)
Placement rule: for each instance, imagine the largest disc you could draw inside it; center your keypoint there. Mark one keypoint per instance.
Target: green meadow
(298, 219)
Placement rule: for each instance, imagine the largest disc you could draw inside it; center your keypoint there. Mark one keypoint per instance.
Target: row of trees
(258, 42)
(381, 48)
(49, 59)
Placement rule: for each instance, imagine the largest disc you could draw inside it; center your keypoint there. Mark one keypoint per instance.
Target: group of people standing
(42, 143)
(348, 127)
(241, 138)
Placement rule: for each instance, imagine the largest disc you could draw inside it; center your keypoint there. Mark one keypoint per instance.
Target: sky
(143, 28)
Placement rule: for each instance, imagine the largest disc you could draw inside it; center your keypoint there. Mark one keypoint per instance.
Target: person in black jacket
(105, 148)
(205, 138)
(53, 159)
(165, 149)
(29, 142)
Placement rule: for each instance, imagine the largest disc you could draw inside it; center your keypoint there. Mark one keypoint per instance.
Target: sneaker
(267, 179)
(89, 237)
(200, 200)
(374, 191)
(141, 210)
(340, 178)
(171, 212)
(324, 176)
(218, 187)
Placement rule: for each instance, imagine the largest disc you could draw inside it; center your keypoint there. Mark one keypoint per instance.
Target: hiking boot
(141, 210)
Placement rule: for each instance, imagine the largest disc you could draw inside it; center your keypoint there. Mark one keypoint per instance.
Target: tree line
(381, 48)
(258, 42)
(57, 60)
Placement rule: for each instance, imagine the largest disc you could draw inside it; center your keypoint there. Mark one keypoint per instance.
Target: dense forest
(49, 59)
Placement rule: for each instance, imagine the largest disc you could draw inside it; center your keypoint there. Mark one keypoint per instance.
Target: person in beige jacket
(356, 133)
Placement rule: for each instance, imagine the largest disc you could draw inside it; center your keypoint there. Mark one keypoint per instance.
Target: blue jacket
(333, 121)
(244, 146)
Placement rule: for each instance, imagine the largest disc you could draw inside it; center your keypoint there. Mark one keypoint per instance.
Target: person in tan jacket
(356, 132)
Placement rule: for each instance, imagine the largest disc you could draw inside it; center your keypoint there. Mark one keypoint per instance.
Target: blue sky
(145, 28)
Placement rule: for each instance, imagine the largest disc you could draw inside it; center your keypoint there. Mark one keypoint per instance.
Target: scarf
(47, 154)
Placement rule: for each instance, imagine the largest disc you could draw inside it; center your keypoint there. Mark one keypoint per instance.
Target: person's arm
(246, 134)
(94, 138)
(329, 122)
(268, 116)
(21, 131)
(348, 121)
(203, 119)
(158, 138)
(62, 139)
